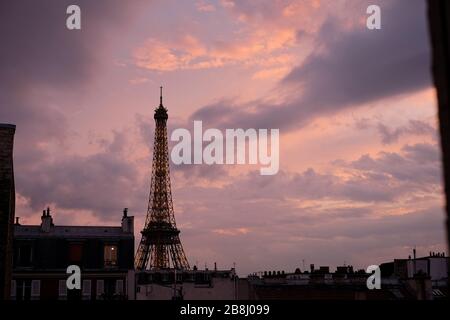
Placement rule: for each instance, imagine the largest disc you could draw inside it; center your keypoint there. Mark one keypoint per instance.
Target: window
(62, 290)
(119, 287)
(100, 288)
(110, 254)
(23, 291)
(75, 252)
(86, 289)
(13, 289)
(35, 289)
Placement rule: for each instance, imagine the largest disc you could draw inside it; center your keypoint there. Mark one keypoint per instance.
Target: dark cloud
(102, 183)
(363, 65)
(414, 127)
(38, 48)
(424, 153)
(347, 69)
(42, 63)
(41, 58)
(419, 165)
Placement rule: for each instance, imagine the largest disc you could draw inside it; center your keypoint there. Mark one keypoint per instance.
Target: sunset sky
(360, 171)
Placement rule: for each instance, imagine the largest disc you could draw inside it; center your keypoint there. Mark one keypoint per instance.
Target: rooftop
(24, 231)
(47, 229)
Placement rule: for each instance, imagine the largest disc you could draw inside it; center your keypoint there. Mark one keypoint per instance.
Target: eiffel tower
(160, 246)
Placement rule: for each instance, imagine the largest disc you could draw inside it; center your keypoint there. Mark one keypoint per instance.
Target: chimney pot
(46, 221)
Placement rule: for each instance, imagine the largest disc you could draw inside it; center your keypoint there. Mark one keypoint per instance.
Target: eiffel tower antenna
(160, 246)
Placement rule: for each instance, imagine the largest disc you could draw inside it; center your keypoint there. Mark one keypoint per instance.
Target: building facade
(42, 254)
(189, 285)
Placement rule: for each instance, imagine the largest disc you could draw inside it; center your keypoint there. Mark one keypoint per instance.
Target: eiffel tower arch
(160, 246)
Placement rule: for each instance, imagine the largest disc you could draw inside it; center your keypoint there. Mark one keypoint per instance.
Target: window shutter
(100, 287)
(119, 286)
(35, 289)
(62, 289)
(86, 289)
(13, 289)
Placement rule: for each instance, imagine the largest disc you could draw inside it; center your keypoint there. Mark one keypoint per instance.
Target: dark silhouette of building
(42, 254)
(434, 267)
(439, 21)
(160, 246)
(7, 206)
(322, 284)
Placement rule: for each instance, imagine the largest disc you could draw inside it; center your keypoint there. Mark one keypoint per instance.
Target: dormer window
(110, 254)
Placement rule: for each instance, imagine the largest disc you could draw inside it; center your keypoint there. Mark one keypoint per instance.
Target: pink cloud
(205, 6)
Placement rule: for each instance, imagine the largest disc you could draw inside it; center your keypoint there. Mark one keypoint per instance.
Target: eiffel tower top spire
(161, 112)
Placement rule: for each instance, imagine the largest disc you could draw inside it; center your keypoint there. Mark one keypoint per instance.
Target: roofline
(64, 226)
(7, 125)
(412, 259)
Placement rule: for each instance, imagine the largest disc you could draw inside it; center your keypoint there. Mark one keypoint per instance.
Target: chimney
(312, 267)
(17, 221)
(215, 266)
(46, 221)
(127, 222)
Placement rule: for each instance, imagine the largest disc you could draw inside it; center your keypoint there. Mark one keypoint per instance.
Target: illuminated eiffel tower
(160, 246)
